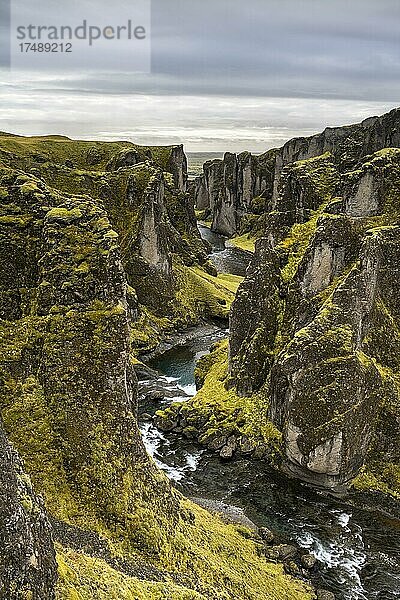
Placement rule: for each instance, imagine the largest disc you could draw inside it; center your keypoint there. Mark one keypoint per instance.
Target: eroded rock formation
(228, 188)
(28, 566)
(331, 376)
(235, 190)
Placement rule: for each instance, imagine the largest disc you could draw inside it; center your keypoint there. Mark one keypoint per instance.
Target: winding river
(358, 550)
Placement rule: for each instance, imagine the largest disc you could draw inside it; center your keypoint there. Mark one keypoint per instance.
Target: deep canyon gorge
(200, 377)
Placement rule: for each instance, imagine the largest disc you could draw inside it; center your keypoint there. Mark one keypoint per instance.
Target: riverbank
(356, 546)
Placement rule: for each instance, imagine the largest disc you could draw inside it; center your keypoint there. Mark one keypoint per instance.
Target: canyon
(314, 326)
(103, 268)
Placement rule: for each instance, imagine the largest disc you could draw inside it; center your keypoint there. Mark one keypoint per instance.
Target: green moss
(297, 242)
(64, 215)
(379, 477)
(147, 332)
(207, 224)
(244, 242)
(15, 220)
(226, 412)
(30, 423)
(29, 188)
(203, 295)
(84, 578)
(213, 561)
(198, 295)
(39, 151)
(161, 155)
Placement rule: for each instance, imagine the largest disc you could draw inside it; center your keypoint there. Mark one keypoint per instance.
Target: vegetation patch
(244, 242)
(217, 414)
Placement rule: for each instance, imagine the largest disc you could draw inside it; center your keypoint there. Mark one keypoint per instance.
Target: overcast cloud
(226, 75)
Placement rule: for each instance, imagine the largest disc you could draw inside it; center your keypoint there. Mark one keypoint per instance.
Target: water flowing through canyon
(358, 550)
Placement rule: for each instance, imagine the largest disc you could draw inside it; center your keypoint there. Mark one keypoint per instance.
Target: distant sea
(196, 161)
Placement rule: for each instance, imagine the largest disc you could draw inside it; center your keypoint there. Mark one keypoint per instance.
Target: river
(358, 550)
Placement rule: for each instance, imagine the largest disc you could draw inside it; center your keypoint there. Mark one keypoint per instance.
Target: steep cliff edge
(314, 329)
(234, 192)
(232, 188)
(143, 192)
(334, 378)
(68, 398)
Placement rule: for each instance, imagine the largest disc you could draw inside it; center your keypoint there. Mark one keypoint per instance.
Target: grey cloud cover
(226, 74)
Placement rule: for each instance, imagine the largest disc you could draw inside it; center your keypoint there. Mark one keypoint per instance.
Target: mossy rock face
(317, 299)
(68, 398)
(315, 324)
(142, 193)
(27, 556)
(229, 186)
(26, 153)
(255, 321)
(348, 145)
(65, 366)
(240, 192)
(328, 393)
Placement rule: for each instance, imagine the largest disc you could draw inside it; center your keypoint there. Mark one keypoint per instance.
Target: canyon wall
(98, 246)
(234, 191)
(327, 354)
(313, 365)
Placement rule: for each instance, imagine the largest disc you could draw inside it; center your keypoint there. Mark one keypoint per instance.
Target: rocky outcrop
(346, 144)
(177, 165)
(254, 325)
(229, 186)
(328, 384)
(236, 190)
(65, 369)
(28, 566)
(314, 329)
(143, 192)
(326, 392)
(200, 193)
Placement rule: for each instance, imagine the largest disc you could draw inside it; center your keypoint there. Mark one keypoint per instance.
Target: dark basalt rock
(308, 561)
(266, 535)
(286, 551)
(317, 331)
(228, 187)
(325, 595)
(28, 567)
(254, 320)
(228, 450)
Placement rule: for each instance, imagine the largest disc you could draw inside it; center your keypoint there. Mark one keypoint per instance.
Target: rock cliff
(314, 329)
(88, 237)
(328, 383)
(229, 187)
(234, 191)
(142, 190)
(28, 567)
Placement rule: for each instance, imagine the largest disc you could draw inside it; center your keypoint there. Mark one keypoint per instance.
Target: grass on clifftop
(33, 151)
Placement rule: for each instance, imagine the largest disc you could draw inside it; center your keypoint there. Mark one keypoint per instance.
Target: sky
(226, 75)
